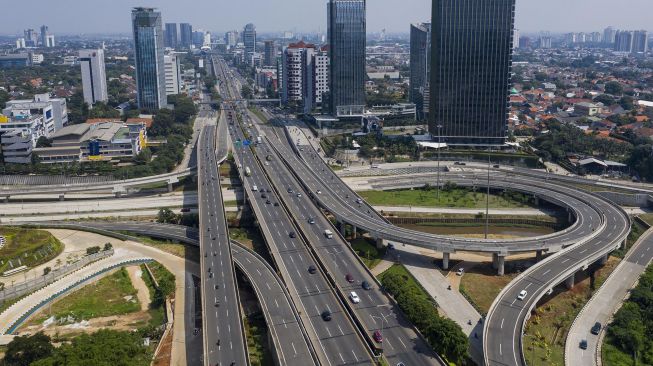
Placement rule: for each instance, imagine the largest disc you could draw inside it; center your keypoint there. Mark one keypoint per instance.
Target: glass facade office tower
(94, 77)
(171, 35)
(420, 48)
(471, 62)
(346, 34)
(148, 54)
(185, 35)
(249, 38)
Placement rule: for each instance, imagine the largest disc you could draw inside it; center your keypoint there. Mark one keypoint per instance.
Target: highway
(224, 337)
(336, 341)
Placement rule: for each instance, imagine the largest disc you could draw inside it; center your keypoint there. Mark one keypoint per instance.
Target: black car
(268, 202)
(596, 329)
(326, 315)
(583, 344)
(292, 234)
(264, 195)
(276, 204)
(289, 190)
(312, 269)
(366, 285)
(268, 190)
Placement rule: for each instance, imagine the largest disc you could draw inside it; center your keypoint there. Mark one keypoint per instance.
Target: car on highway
(264, 195)
(522, 295)
(366, 285)
(319, 191)
(268, 202)
(349, 278)
(354, 297)
(254, 188)
(185, 209)
(583, 344)
(289, 190)
(359, 200)
(311, 220)
(326, 315)
(401, 364)
(299, 195)
(377, 336)
(596, 329)
(312, 269)
(292, 234)
(276, 204)
(460, 271)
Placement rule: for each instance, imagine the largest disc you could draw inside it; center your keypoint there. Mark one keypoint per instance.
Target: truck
(328, 233)
(248, 172)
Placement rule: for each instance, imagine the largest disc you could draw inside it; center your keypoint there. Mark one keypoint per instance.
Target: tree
(92, 250)
(166, 216)
(107, 246)
(627, 102)
(43, 142)
(246, 91)
(46, 270)
(4, 98)
(605, 99)
(614, 88)
(24, 350)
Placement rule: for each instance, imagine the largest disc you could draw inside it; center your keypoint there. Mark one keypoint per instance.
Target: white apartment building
(321, 74)
(297, 82)
(94, 78)
(172, 74)
(37, 58)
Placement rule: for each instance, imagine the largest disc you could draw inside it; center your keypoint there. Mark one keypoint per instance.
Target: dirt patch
(143, 294)
(127, 322)
(163, 357)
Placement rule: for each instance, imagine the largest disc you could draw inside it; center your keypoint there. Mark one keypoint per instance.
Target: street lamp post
(439, 147)
(384, 319)
(487, 197)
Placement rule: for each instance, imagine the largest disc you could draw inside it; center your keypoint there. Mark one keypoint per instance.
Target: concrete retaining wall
(628, 199)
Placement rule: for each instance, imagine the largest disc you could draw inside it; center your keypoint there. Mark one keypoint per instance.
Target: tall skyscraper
(420, 47)
(471, 62)
(171, 35)
(31, 38)
(346, 37)
(185, 35)
(321, 74)
(249, 38)
(44, 36)
(94, 78)
(231, 38)
(298, 75)
(623, 41)
(173, 73)
(270, 55)
(640, 41)
(148, 54)
(608, 35)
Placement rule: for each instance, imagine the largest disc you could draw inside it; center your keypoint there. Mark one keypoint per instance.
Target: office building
(185, 35)
(545, 41)
(47, 39)
(298, 76)
(206, 42)
(31, 37)
(471, 62)
(249, 38)
(420, 47)
(231, 38)
(623, 41)
(15, 60)
(595, 37)
(346, 25)
(20, 43)
(53, 110)
(609, 34)
(198, 38)
(94, 78)
(171, 35)
(515, 39)
(640, 41)
(148, 54)
(270, 54)
(321, 75)
(173, 74)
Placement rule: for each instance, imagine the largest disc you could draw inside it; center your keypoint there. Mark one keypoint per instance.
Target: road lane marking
(502, 322)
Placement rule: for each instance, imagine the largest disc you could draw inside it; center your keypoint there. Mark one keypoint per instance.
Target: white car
(522, 295)
(354, 297)
(460, 271)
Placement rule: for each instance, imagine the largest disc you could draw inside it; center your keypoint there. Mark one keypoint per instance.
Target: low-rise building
(53, 110)
(16, 146)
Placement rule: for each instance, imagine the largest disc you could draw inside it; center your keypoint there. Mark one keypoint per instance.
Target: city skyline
(309, 16)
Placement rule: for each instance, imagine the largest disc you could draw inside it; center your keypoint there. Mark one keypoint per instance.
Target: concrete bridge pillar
(6, 199)
(537, 200)
(603, 260)
(117, 194)
(61, 197)
(495, 260)
(501, 259)
(354, 232)
(380, 243)
(538, 255)
(445, 261)
(569, 282)
(169, 187)
(342, 228)
(624, 244)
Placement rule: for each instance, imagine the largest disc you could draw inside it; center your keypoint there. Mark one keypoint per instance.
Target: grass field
(456, 197)
(27, 247)
(156, 311)
(105, 297)
(368, 252)
(256, 332)
(481, 285)
(546, 331)
(648, 218)
(160, 272)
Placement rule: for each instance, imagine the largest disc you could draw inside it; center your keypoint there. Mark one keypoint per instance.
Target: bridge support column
(537, 200)
(380, 243)
(603, 260)
(61, 197)
(354, 232)
(6, 199)
(342, 228)
(169, 187)
(495, 260)
(624, 244)
(445, 261)
(569, 282)
(118, 194)
(501, 265)
(538, 256)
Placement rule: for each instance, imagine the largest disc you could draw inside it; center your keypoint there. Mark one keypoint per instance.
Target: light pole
(487, 197)
(384, 319)
(439, 147)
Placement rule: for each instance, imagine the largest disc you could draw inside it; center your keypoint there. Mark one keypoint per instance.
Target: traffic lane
(400, 341)
(336, 335)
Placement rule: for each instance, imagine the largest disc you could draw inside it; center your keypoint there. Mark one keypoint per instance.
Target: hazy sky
(113, 16)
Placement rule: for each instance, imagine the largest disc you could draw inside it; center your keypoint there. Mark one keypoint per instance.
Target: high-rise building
(640, 41)
(249, 38)
(471, 63)
(623, 41)
(420, 47)
(206, 41)
(49, 40)
(171, 35)
(270, 54)
(515, 39)
(20, 43)
(231, 38)
(595, 37)
(31, 38)
(608, 35)
(321, 75)
(298, 75)
(185, 35)
(346, 25)
(198, 38)
(173, 74)
(148, 54)
(94, 78)
(545, 40)
(44, 36)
